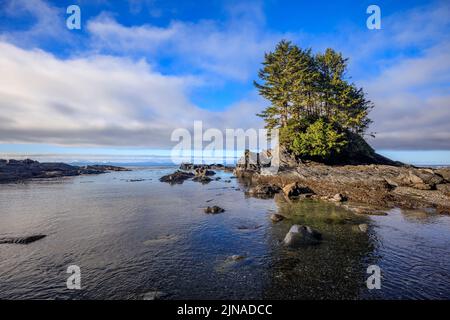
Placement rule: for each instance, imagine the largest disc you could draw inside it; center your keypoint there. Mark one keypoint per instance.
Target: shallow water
(130, 238)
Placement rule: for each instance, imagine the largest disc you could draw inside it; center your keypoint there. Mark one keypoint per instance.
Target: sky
(137, 70)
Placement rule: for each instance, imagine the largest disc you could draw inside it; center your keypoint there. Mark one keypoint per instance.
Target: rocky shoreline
(370, 189)
(365, 189)
(21, 170)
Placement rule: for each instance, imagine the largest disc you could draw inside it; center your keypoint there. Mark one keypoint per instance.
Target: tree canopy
(313, 104)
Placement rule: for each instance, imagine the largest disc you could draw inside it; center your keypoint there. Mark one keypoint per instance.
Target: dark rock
(177, 177)
(294, 189)
(19, 170)
(301, 235)
(22, 240)
(203, 172)
(214, 210)
(104, 168)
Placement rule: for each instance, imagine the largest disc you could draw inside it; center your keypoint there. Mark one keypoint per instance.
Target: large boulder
(301, 235)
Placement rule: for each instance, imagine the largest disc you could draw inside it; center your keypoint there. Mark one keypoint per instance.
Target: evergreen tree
(312, 103)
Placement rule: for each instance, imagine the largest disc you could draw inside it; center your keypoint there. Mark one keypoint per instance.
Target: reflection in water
(332, 270)
(131, 238)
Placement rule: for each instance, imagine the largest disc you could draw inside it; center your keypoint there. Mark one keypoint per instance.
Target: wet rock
(275, 217)
(249, 227)
(214, 210)
(202, 179)
(104, 168)
(22, 240)
(294, 189)
(301, 235)
(264, 190)
(177, 177)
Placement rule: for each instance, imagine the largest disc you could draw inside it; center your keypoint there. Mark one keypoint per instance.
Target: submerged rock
(161, 239)
(236, 257)
(214, 210)
(275, 217)
(301, 235)
(264, 190)
(22, 240)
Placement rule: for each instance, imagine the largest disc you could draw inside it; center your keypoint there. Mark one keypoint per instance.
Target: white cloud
(98, 100)
(232, 49)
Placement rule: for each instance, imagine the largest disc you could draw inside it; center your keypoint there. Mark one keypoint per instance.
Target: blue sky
(139, 69)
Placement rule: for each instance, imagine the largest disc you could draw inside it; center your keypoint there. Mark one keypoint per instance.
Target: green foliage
(311, 99)
(319, 140)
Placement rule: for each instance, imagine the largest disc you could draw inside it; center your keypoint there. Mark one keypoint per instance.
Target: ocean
(132, 236)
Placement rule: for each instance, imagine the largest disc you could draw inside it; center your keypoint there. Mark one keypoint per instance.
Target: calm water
(130, 238)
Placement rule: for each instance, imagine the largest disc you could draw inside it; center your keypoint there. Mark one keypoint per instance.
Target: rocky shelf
(378, 185)
(20, 170)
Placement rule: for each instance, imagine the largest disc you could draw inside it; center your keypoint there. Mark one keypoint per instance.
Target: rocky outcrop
(301, 235)
(104, 168)
(22, 240)
(378, 185)
(20, 170)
